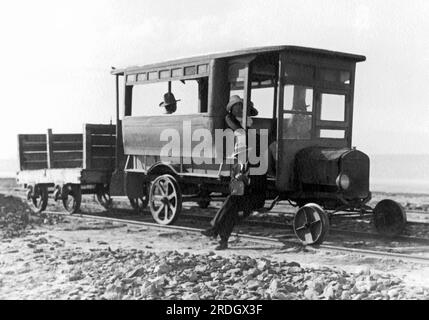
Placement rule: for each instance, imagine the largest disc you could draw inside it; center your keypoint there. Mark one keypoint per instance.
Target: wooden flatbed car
(67, 165)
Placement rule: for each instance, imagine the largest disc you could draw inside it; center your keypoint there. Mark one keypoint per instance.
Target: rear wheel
(72, 198)
(165, 199)
(389, 218)
(37, 198)
(311, 224)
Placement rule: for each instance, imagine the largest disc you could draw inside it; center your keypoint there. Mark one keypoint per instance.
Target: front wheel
(389, 218)
(311, 224)
(165, 199)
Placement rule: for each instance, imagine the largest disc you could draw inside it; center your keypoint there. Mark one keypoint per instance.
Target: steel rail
(338, 231)
(258, 239)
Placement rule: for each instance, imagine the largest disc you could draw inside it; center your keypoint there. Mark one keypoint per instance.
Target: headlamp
(343, 181)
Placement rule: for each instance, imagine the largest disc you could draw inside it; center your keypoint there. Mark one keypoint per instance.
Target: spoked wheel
(165, 199)
(389, 217)
(311, 224)
(37, 198)
(103, 196)
(139, 204)
(72, 198)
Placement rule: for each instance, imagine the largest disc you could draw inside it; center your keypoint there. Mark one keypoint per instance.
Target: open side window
(263, 82)
(145, 99)
(298, 101)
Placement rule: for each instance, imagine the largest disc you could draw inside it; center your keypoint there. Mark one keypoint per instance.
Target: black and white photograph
(224, 153)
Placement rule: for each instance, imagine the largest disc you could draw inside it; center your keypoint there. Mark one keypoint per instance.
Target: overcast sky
(56, 57)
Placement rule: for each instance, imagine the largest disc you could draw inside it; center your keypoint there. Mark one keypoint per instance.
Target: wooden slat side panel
(71, 137)
(101, 128)
(35, 165)
(67, 155)
(67, 146)
(33, 146)
(68, 163)
(33, 137)
(34, 156)
(32, 151)
(103, 151)
(99, 143)
(103, 140)
(67, 150)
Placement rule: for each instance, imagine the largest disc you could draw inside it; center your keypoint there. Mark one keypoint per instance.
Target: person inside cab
(299, 125)
(169, 103)
(234, 116)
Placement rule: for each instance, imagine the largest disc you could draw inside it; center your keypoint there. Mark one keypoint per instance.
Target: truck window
(262, 91)
(146, 99)
(192, 94)
(335, 76)
(262, 99)
(297, 117)
(332, 133)
(332, 107)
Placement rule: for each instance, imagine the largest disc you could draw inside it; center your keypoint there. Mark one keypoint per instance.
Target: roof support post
(247, 93)
(280, 98)
(118, 128)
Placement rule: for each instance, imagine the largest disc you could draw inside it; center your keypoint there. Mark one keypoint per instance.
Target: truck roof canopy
(257, 50)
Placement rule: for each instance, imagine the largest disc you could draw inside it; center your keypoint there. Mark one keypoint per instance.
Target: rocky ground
(57, 257)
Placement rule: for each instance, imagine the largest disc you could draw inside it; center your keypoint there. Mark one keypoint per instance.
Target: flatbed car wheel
(165, 199)
(38, 198)
(103, 197)
(311, 224)
(389, 217)
(72, 198)
(139, 204)
(104, 200)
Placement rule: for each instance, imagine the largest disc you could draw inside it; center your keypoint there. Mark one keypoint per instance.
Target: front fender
(160, 168)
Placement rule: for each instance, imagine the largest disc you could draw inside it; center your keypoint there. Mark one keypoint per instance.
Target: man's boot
(223, 244)
(210, 232)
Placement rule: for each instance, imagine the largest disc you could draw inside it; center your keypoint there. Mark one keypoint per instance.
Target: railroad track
(258, 239)
(279, 225)
(337, 231)
(285, 225)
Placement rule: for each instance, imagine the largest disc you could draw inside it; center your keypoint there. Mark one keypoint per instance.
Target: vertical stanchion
(49, 148)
